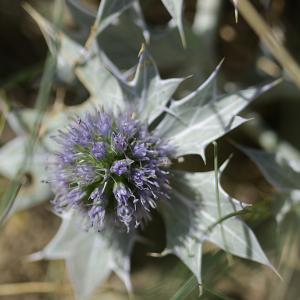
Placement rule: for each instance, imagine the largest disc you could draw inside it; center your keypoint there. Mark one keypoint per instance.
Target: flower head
(111, 169)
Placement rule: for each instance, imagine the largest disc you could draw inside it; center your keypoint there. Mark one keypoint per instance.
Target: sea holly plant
(112, 163)
(111, 170)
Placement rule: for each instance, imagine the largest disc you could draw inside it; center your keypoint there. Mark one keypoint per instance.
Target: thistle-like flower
(112, 169)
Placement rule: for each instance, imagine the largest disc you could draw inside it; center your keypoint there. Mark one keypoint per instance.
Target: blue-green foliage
(190, 124)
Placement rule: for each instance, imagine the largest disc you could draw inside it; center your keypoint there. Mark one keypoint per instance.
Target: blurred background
(211, 35)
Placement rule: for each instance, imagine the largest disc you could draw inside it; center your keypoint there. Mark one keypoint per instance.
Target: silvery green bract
(189, 125)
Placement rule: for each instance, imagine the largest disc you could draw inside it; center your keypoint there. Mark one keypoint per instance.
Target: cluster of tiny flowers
(113, 170)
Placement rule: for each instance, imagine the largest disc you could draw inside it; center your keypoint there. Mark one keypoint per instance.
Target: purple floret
(119, 142)
(120, 167)
(96, 215)
(99, 150)
(139, 150)
(97, 211)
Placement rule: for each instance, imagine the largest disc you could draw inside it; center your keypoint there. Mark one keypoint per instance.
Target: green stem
(224, 218)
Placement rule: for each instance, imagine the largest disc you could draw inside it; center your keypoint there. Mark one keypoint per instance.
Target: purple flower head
(112, 169)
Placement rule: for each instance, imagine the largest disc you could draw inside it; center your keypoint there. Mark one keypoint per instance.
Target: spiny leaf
(65, 239)
(85, 253)
(206, 92)
(190, 218)
(190, 253)
(88, 265)
(191, 127)
(90, 256)
(175, 8)
(88, 66)
(147, 91)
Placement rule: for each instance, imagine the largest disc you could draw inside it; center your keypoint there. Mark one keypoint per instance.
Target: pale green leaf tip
(142, 50)
(225, 163)
(271, 85)
(35, 256)
(162, 254)
(276, 272)
(200, 288)
(183, 38)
